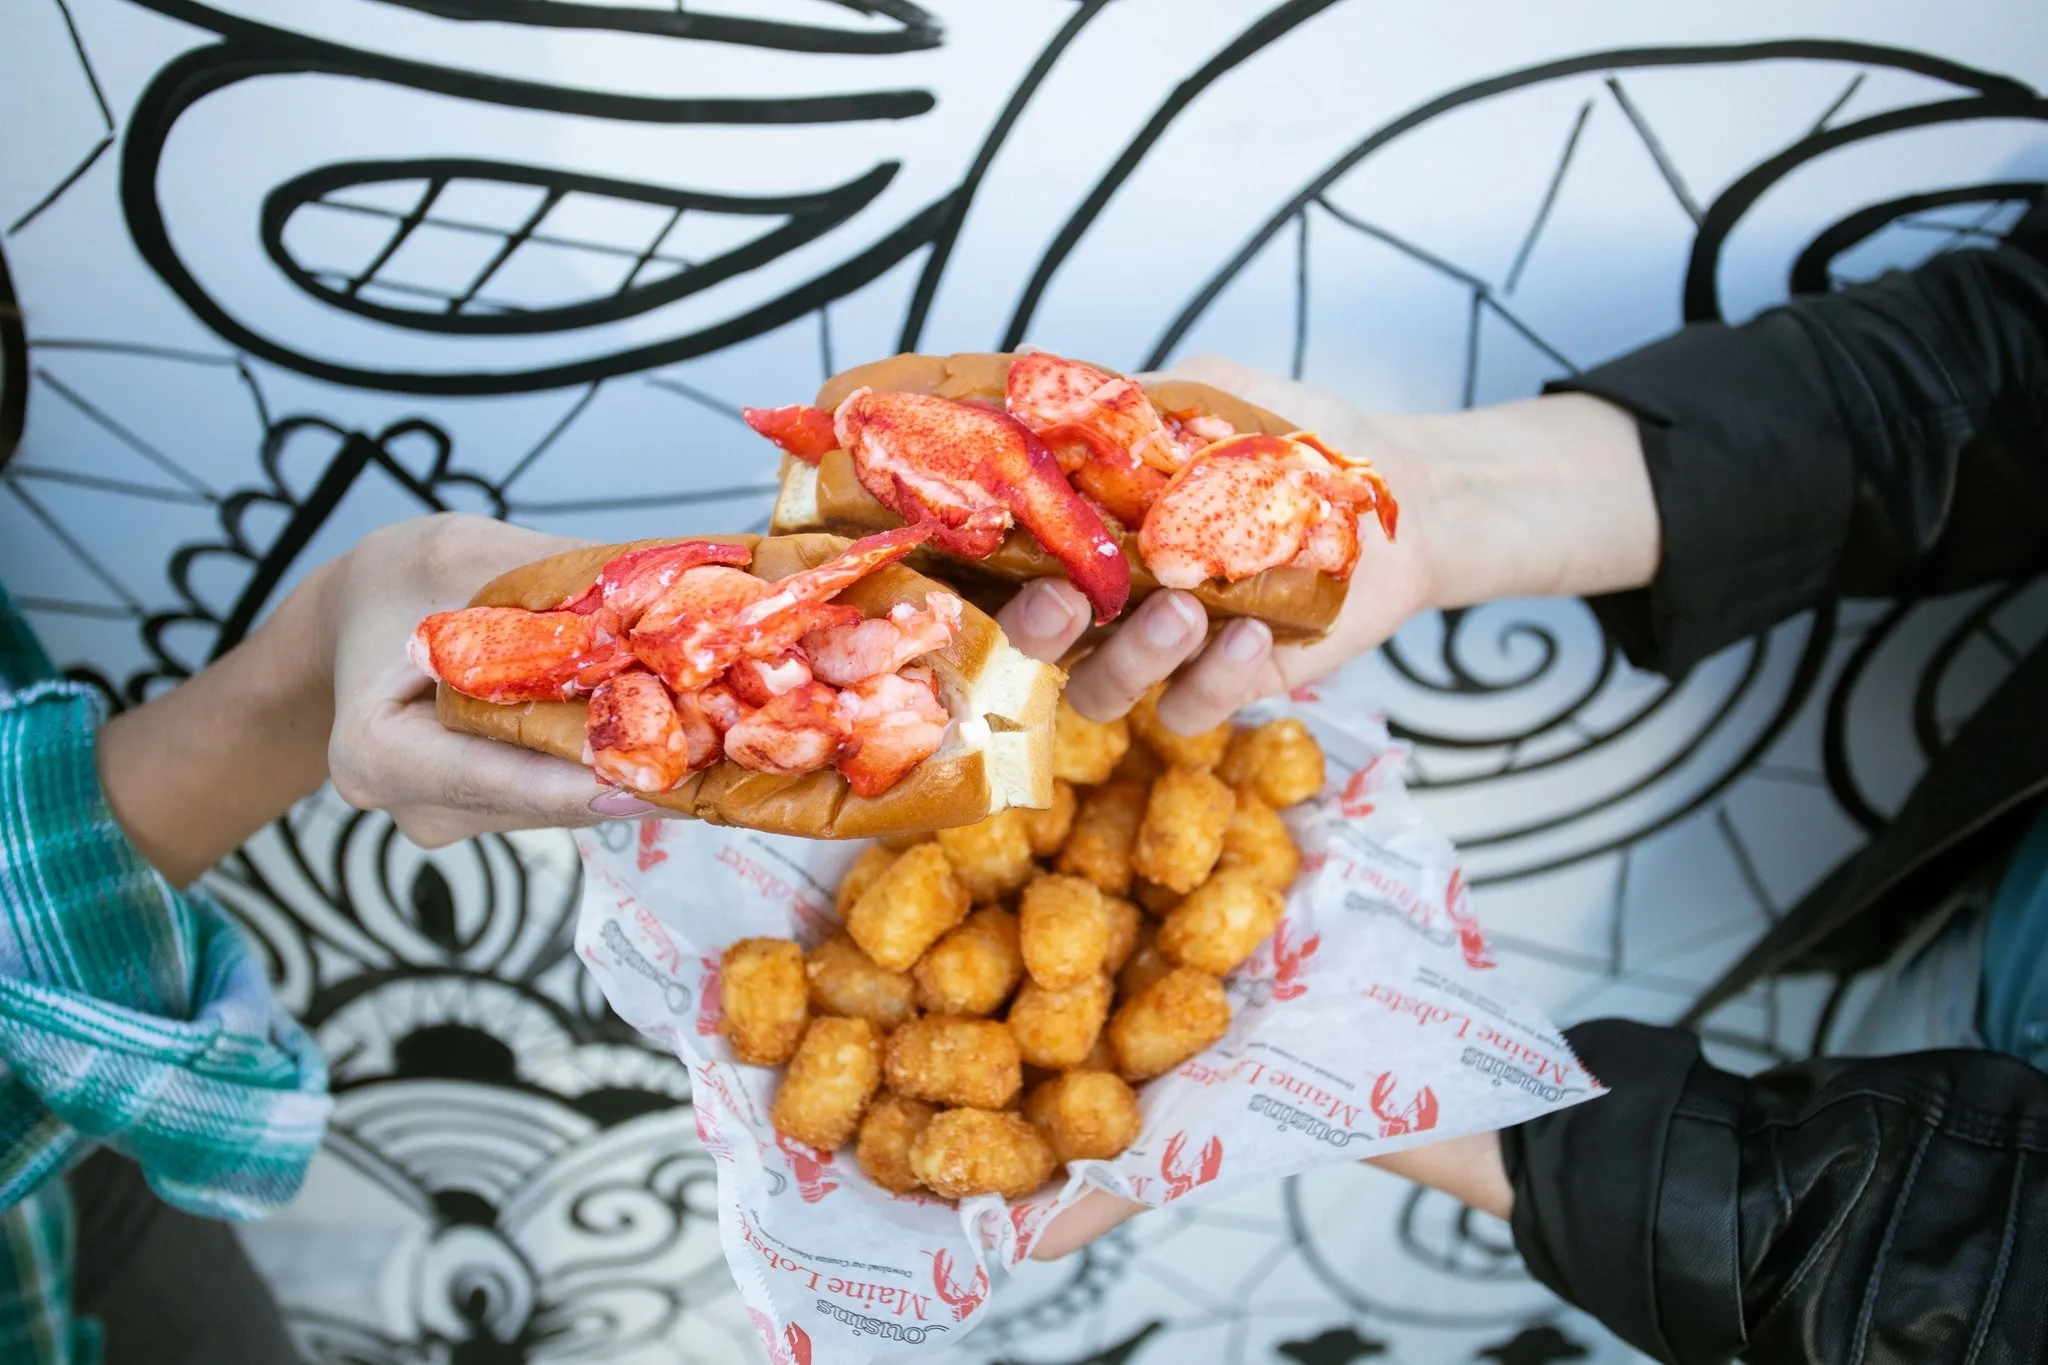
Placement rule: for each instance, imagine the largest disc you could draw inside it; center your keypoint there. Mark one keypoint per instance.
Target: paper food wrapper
(1375, 1019)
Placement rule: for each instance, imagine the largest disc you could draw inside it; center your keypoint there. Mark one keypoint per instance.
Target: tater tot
(1257, 843)
(973, 969)
(1085, 1115)
(765, 999)
(826, 1089)
(1181, 836)
(1145, 966)
(904, 912)
(1048, 829)
(845, 981)
(1063, 929)
(1086, 751)
(1156, 899)
(1279, 760)
(1220, 923)
(866, 870)
(886, 1136)
(1105, 827)
(1170, 1021)
(1124, 919)
(952, 1061)
(1057, 1029)
(1101, 1057)
(991, 857)
(964, 1152)
(1176, 750)
(903, 843)
(1140, 765)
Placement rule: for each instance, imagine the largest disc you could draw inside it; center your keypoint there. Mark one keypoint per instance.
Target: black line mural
(526, 259)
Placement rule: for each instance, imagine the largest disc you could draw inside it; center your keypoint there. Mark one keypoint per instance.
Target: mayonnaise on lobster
(687, 659)
(1076, 455)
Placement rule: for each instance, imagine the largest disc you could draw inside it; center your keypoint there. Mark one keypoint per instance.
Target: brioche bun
(997, 754)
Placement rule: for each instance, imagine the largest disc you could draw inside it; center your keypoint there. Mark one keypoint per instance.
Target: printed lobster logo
(1027, 1221)
(809, 1166)
(708, 1134)
(710, 1009)
(1417, 1116)
(1178, 1180)
(650, 853)
(1288, 960)
(1471, 939)
(963, 1301)
(1355, 799)
(791, 1347)
(1306, 694)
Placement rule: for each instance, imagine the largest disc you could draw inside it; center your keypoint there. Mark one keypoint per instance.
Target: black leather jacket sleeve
(1885, 440)
(1889, 1210)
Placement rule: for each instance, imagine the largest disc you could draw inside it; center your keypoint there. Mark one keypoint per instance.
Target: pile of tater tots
(1075, 950)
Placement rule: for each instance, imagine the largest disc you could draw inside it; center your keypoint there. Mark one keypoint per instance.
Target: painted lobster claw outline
(962, 1302)
(1419, 1116)
(1179, 1181)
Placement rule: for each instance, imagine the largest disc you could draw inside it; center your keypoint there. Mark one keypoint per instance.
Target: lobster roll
(796, 684)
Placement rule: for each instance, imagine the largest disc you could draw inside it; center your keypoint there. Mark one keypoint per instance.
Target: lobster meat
(687, 659)
(1074, 444)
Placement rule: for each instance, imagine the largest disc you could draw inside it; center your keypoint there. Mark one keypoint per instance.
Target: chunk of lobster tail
(1254, 502)
(508, 654)
(1101, 427)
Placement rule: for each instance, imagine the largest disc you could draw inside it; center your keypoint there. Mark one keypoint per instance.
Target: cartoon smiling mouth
(475, 247)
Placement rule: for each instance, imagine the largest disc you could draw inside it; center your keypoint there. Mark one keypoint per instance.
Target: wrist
(191, 774)
(1538, 498)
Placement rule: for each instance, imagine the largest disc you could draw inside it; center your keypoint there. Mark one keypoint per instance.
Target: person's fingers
(1158, 638)
(398, 756)
(1236, 668)
(1095, 1213)
(1045, 618)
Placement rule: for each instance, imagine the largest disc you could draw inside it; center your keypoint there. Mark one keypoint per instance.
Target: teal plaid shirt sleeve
(131, 1014)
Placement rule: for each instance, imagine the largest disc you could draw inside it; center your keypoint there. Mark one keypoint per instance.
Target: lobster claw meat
(972, 470)
(804, 432)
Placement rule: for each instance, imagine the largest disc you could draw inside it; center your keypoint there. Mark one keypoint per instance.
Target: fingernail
(1172, 621)
(621, 805)
(1247, 642)
(1046, 612)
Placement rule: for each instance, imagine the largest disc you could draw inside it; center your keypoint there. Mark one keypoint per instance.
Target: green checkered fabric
(131, 1014)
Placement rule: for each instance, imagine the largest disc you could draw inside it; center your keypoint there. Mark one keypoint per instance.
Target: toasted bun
(998, 754)
(1298, 604)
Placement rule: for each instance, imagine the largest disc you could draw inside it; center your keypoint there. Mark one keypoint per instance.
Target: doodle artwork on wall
(273, 275)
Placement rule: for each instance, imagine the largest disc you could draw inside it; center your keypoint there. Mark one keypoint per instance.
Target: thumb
(1097, 1212)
